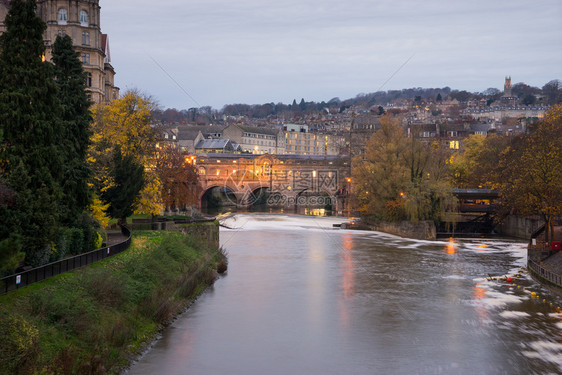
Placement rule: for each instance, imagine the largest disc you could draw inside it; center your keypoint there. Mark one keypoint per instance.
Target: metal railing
(543, 272)
(19, 280)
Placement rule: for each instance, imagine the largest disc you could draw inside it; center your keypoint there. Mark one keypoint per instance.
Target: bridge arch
(217, 194)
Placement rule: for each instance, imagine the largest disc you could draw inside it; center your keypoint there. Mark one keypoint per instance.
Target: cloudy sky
(192, 53)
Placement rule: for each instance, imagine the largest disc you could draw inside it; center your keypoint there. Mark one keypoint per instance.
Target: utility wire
(173, 80)
(396, 72)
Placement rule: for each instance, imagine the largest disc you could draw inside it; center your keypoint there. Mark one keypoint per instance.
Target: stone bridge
(289, 180)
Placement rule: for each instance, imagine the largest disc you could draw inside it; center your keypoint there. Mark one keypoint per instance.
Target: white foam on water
(513, 314)
(455, 277)
(496, 299)
(281, 222)
(547, 351)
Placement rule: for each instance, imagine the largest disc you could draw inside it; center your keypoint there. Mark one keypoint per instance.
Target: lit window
(86, 38)
(83, 18)
(63, 16)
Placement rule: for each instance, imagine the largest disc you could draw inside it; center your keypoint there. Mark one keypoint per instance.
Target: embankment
(93, 320)
(422, 230)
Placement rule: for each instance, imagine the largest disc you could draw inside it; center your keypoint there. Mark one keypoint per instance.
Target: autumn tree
(402, 178)
(463, 164)
(537, 186)
(178, 177)
(31, 163)
(126, 123)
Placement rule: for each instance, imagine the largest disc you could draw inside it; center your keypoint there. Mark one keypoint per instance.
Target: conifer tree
(76, 117)
(30, 159)
(127, 177)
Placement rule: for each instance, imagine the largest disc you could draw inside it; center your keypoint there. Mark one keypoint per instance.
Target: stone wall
(422, 230)
(520, 227)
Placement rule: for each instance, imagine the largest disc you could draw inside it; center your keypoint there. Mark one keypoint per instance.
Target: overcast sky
(260, 51)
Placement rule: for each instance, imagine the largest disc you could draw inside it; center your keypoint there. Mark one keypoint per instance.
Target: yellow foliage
(97, 209)
(149, 201)
(126, 123)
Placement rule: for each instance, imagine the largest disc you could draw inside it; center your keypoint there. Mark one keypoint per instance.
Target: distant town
(341, 127)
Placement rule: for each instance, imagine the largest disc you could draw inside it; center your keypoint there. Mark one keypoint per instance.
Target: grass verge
(91, 321)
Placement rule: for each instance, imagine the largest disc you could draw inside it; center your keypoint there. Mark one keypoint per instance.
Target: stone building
(256, 140)
(79, 19)
(306, 143)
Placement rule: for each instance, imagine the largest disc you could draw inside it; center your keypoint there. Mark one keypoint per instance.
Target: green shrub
(18, 344)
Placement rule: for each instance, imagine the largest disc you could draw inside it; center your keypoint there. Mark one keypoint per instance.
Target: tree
(553, 91)
(30, 156)
(525, 169)
(127, 177)
(126, 123)
(10, 243)
(539, 181)
(461, 96)
(529, 99)
(402, 178)
(178, 177)
(463, 165)
(76, 116)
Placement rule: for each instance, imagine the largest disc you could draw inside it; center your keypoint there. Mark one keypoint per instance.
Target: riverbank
(94, 320)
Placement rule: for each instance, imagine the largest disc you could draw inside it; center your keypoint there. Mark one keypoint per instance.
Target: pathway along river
(303, 298)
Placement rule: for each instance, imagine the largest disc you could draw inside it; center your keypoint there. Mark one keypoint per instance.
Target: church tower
(79, 19)
(507, 87)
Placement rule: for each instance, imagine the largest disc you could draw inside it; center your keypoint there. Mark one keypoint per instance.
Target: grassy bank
(92, 320)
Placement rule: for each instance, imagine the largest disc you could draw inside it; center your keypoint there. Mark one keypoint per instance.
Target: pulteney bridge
(289, 180)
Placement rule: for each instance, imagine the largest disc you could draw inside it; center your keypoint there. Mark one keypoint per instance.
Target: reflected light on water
(479, 294)
(451, 247)
(348, 267)
(315, 212)
(482, 247)
(348, 279)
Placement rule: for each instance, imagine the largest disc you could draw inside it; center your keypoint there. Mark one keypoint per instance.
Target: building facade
(79, 19)
(256, 140)
(304, 143)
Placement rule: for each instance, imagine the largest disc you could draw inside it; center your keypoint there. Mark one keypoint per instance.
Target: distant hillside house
(79, 19)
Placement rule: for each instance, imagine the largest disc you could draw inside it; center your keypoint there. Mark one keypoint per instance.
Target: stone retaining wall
(422, 230)
(520, 227)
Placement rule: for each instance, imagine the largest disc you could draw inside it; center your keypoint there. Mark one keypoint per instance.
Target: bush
(18, 344)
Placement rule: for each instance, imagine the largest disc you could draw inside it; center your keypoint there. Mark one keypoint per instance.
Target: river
(301, 297)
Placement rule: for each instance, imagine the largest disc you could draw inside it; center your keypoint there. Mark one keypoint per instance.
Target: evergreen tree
(30, 160)
(127, 177)
(76, 117)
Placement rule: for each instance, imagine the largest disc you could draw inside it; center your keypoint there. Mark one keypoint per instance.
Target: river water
(301, 297)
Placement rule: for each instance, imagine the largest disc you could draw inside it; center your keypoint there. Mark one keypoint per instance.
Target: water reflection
(303, 298)
(451, 246)
(348, 272)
